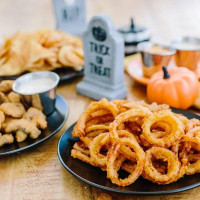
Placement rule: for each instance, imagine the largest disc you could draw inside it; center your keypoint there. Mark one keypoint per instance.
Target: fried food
(81, 156)
(15, 110)
(3, 98)
(154, 107)
(18, 121)
(6, 139)
(170, 137)
(132, 114)
(2, 118)
(70, 56)
(14, 97)
(114, 153)
(6, 86)
(103, 104)
(98, 142)
(147, 140)
(194, 132)
(21, 136)
(79, 146)
(13, 125)
(36, 117)
(39, 51)
(163, 154)
(194, 149)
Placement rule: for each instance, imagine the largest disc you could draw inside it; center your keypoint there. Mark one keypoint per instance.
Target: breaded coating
(15, 110)
(6, 139)
(14, 125)
(3, 98)
(16, 122)
(14, 97)
(2, 118)
(20, 136)
(6, 85)
(37, 117)
(153, 107)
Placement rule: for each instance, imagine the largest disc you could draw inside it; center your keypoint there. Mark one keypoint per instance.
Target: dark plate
(55, 122)
(64, 74)
(95, 177)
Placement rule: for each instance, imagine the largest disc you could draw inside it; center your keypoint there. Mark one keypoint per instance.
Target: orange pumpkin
(177, 87)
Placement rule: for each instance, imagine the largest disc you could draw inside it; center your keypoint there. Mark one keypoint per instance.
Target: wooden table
(37, 173)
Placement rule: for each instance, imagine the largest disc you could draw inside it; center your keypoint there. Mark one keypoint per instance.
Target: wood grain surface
(36, 173)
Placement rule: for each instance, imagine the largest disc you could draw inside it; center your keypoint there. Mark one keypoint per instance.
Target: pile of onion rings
(147, 140)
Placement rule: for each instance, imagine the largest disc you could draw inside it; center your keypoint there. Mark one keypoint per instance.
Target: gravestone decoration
(70, 15)
(103, 55)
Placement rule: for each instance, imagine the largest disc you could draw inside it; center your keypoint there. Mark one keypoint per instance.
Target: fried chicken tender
(14, 97)
(15, 125)
(16, 122)
(37, 117)
(15, 110)
(20, 136)
(2, 118)
(6, 85)
(3, 98)
(6, 139)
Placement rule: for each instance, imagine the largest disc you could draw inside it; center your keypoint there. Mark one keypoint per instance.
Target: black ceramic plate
(95, 177)
(55, 122)
(64, 74)
(68, 73)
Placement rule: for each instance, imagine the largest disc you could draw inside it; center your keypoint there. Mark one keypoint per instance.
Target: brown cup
(154, 57)
(187, 52)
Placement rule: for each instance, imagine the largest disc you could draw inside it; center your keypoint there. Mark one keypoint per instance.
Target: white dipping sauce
(36, 86)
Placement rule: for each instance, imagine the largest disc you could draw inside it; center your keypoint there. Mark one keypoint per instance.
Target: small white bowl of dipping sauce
(38, 89)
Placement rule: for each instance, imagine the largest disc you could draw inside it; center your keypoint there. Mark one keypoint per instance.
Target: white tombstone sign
(103, 55)
(70, 15)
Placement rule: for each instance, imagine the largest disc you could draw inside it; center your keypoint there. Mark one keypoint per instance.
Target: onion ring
(177, 130)
(150, 171)
(194, 132)
(96, 127)
(113, 155)
(195, 143)
(80, 156)
(129, 167)
(123, 117)
(144, 140)
(79, 146)
(79, 129)
(98, 159)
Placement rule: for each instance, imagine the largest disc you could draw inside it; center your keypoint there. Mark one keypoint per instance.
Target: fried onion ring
(114, 153)
(195, 144)
(79, 129)
(144, 140)
(98, 159)
(152, 174)
(177, 129)
(124, 117)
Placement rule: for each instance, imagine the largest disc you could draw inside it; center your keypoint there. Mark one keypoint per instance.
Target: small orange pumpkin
(178, 88)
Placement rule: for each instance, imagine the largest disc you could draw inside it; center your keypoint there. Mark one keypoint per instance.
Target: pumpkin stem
(166, 73)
